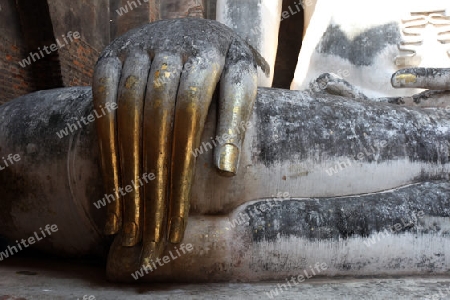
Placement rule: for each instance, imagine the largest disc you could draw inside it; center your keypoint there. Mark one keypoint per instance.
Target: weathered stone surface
(72, 280)
(57, 182)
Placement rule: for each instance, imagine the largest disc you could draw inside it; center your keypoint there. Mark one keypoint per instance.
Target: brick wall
(37, 32)
(29, 26)
(129, 14)
(171, 9)
(77, 61)
(14, 80)
(139, 12)
(155, 10)
(91, 20)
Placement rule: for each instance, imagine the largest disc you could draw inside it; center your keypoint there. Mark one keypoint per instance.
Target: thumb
(238, 89)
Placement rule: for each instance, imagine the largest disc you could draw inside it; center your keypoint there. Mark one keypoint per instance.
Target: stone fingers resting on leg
(196, 89)
(424, 78)
(238, 88)
(130, 116)
(163, 93)
(122, 90)
(335, 85)
(127, 161)
(105, 87)
(159, 111)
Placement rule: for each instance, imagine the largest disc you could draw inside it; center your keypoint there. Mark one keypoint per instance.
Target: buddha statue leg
(137, 73)
(346, 170)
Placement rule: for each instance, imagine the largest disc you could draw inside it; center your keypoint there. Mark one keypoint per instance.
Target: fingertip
(130, 234)
(112, 224)
(176, 230)
(403, 79)
(150, 252)
(227, 159)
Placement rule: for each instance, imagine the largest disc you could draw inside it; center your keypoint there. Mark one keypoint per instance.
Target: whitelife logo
(124, 9)
(31, 240)
(397, 227)
(128, 189)
(165, 260)
(220, 140)
(11, 158)
(49, 49)
(110, 106)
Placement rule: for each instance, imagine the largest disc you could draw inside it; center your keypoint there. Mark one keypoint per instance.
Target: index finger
(196, 90)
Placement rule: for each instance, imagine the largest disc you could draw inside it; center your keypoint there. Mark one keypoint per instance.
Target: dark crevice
(289, 44)
(37, 30)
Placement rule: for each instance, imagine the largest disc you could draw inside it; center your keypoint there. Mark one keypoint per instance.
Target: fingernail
(406, 79)
(151, 252)
(176, 230)
(229, 159)
(130, 231)
(112, 224)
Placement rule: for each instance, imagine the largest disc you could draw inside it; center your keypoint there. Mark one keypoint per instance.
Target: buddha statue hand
(162, 78)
